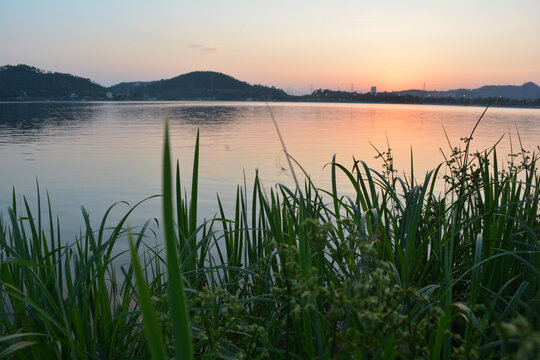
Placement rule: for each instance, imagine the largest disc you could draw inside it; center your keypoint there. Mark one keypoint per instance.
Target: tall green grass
(399, 270)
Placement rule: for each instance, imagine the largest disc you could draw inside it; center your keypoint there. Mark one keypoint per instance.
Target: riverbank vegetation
(400, 270)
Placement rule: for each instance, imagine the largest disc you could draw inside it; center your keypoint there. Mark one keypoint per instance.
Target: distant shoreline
(300, 101)
(27, 83)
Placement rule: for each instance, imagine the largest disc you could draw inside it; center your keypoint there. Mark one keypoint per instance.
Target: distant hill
(26, 82)
(23, 82)
(199, 85)
(526, 91)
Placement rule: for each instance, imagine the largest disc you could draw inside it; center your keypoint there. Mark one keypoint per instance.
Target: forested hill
(23, 82)
(526, 91)
(200, 85)
(26, 82)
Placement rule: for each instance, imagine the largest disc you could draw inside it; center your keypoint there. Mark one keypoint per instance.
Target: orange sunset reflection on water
(94, 154)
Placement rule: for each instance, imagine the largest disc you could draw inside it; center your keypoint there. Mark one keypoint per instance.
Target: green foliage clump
(521, 340)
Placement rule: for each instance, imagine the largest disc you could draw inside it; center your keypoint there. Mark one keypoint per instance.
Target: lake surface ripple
(97, 153)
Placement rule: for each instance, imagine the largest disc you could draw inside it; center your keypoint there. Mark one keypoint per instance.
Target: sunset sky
(296, 45)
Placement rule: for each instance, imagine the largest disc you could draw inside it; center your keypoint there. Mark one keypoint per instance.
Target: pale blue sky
(289, 44)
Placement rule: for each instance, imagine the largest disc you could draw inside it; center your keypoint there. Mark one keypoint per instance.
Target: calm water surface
(94, 154)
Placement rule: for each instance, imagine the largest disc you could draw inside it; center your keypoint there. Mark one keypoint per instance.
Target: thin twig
(284, 149)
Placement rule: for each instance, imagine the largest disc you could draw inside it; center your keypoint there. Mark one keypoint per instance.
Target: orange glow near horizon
(391, 44)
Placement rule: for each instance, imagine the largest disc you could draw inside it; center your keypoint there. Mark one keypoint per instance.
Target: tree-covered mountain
(27, 82)
(23, 82)
(200, 85)
(526, 91)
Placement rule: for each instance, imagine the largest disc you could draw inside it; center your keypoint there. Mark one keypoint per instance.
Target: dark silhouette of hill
(23, 82)
(199, 85)
(27, 82)
(526, 91)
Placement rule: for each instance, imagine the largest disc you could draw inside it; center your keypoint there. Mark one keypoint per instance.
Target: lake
(97, 153)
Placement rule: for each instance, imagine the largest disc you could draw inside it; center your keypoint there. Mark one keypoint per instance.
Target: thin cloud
(202, 48)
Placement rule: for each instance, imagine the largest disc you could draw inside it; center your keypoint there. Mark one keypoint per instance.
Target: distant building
(373, 90)
(109, 95)
(73, 95)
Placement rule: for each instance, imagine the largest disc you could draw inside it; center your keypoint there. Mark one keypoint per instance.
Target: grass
(397, 271)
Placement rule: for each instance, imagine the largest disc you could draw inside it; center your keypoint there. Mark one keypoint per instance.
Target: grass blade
(151, 326)
(177, 298)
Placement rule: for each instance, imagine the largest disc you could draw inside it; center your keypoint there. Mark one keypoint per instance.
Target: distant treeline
(396, 98)
(23, 82)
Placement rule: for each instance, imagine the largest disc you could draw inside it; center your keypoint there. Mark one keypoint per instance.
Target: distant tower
(373, 90)
(352, 87)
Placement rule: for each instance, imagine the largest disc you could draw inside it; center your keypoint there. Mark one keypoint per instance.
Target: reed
(399, 270)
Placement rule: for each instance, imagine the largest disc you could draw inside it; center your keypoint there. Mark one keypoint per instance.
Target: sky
(295, 45)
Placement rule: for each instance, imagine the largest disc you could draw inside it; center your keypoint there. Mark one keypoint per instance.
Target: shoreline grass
(397, 271)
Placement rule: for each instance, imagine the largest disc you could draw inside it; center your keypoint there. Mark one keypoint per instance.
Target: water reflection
(204, 116)
(28, 122)
(94, 154)
(32, 121)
